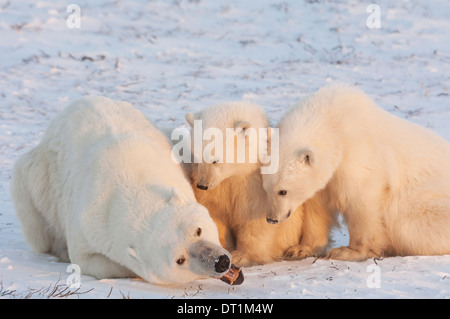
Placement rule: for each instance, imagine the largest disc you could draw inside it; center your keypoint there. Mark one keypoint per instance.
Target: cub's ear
(177, 198)
(306, 156)
(241, 126)
(191, 117)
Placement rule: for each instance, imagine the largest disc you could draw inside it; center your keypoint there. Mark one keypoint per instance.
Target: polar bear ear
(307, 156)
(241, 126)
(191, 117)
(131, 252)
(176, 198)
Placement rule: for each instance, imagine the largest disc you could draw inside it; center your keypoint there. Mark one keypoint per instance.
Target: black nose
(222, 264)
(272, 221)
(202, 187)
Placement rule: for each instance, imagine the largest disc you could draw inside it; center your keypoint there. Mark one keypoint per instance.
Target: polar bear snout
(207, 186)
(209, 175)
(272, 220)
(202, 187)
(209, 258)
(222, 264)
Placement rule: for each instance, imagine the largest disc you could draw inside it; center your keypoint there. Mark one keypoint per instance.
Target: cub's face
(226, 141)
(294, 183)
(180, 245)
(209, 175)
(232, 151)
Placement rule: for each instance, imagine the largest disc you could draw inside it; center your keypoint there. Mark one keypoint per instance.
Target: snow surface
(171, 57)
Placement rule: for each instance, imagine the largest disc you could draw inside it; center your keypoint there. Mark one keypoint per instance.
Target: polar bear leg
(241, 259)
(367, 236)
(100, 267)
(423, 232)
(226, 237)
(255, 244)
(317, 222)
(33, 224)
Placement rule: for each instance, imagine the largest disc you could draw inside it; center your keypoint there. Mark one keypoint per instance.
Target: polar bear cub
(101, 191)
(232, 189)
(389, 177)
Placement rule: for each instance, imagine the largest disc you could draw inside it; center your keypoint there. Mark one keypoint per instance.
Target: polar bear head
(226, 141)
(291, 185)
(310, 151)
(178, 243)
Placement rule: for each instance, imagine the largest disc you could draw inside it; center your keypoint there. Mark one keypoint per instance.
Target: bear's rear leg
(33, 224)
(423, 232)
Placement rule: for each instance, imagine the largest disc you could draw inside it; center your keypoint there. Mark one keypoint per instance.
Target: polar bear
(390, 178)
(101, 191)
(233, 193)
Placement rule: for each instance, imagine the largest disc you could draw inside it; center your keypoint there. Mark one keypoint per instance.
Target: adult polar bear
(98, 191)
(389, 177)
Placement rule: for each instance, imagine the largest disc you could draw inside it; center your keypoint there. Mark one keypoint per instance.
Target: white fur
(237, 201)
(101, 191)
(389, 177)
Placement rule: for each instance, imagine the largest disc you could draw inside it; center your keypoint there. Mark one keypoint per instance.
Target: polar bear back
(343, 115)
(95, 147)
(91, 120)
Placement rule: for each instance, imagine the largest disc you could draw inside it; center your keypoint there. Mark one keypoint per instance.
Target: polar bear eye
(181, 260)
(282, 192)
(198, 231)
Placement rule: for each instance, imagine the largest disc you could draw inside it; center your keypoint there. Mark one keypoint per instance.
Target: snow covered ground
(171, 57)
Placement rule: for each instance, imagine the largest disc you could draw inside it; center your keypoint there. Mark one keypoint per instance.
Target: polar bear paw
(245, 259)
(299, 252)
(348, 254)
(241, 259)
